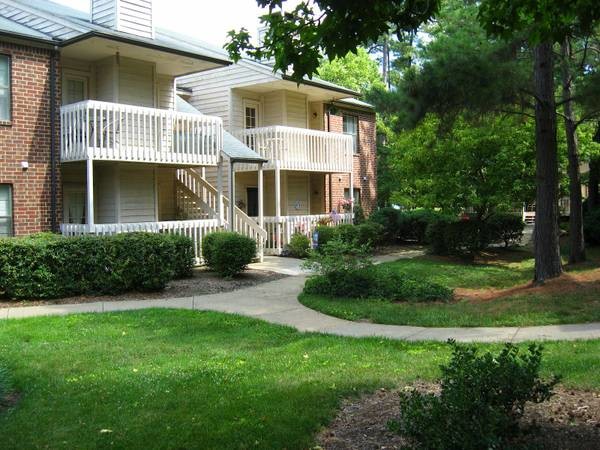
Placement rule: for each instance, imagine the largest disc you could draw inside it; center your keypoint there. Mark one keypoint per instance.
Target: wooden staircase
(196, 197)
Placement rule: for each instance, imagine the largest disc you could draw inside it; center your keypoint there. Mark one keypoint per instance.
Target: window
(6, 219)
(75, 90)
(351, 129)
(355, 195)
(250, 114)
(4, 88)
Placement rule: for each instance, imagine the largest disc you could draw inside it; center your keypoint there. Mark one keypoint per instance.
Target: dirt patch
(203, 282)
(569, 420)
(396, 248)
(566, 283)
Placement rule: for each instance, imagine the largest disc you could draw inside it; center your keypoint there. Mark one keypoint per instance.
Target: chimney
(127, 16)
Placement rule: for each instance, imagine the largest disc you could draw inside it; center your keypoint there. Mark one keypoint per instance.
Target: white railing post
(90, 194)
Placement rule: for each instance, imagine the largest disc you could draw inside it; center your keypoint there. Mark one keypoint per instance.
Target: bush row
(468, 235)
(345, 270)
(51, 266)
(406, 226)
(367, 233)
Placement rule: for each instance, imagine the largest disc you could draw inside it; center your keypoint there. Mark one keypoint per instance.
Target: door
(252, 195)
(251, 119)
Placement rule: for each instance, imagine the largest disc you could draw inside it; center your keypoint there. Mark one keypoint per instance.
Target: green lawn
(576, 304)
(184, 379)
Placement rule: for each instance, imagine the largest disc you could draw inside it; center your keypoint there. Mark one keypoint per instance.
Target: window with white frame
(4, 88)
(351, 129)
(6, 210)
(355, 195)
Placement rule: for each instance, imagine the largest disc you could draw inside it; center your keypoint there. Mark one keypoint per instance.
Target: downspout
(53, 181)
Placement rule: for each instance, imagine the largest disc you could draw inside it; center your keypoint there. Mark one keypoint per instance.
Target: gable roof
(63, 26)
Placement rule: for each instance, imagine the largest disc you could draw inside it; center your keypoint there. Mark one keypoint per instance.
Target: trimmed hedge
(367, 233)
(228, 253)
(52, 266)
(406, 226)
(507, 228)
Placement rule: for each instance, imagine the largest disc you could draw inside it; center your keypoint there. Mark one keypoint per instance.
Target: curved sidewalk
(277, 302)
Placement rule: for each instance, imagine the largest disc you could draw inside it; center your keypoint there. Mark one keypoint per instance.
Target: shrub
(457, 237)
(228, 253)
(359, 215)
(299, 245)
(369, 233)
(325, 234)
(389, 219)
(345, 270)
(506, 228)
(51, 266)
(482, 398)
(591, 226)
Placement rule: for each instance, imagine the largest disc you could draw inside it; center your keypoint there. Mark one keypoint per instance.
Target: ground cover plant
(52, 266)
(496, 290)
(189, 379)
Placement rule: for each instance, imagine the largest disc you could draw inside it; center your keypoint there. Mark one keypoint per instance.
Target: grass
(185, 379)
(576, 302)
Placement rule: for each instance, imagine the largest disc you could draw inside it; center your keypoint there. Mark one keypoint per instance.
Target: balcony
(298, 149)
(116, 132)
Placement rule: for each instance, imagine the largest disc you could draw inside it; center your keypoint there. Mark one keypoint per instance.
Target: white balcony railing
(280, 231)
(299, 149)
(194, 229)
(116, 132)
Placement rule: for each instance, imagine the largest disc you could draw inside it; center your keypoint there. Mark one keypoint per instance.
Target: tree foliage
(355, 71)
(487, 166)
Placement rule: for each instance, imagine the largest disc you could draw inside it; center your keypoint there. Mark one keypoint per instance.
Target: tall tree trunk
(386, 61)
(577, 244)
(546, 244)
(594, 180)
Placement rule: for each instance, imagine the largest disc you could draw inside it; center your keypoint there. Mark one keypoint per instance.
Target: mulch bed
(203, 282)
(569, 420)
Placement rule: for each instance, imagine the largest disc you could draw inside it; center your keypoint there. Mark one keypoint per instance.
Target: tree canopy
(355, 71)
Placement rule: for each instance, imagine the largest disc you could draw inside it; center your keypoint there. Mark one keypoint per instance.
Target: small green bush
(325, 233)
(359, 215)
(51, 266)
(389, 219)
(346, 270)
(506, 228)
(591, 226)
(482, 398)
(299, 245)
(228, 253)
(369, 233)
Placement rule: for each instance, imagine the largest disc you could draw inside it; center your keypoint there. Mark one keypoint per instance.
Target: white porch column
(261, 215)
(231, 196)
(352, 197)
(90, 192)
(278, 206)
(219, 205)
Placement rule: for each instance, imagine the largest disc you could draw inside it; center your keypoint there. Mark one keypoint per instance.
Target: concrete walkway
(277, 302)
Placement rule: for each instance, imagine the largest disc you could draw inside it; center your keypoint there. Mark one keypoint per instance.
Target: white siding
(166, 92)
(237, 108)
(297, 193)
(165, 180)
(129, 16)
(295, 108)
(136, 83)
(137, 194)
(274, 108)
(104, 12)
(106, 83)
(105, 193)
(211, 89)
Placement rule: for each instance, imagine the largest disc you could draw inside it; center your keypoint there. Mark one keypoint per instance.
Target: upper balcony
(292, 148)
(116, 132)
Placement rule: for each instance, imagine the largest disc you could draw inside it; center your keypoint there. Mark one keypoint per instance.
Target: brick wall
(365, 162)
(27, 138)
